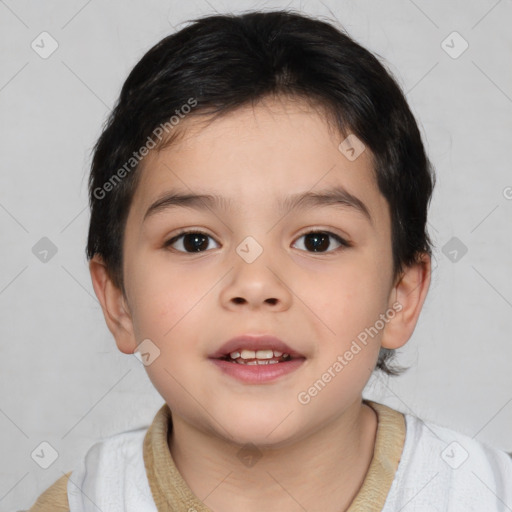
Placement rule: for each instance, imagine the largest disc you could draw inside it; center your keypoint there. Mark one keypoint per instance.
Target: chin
(261, 428)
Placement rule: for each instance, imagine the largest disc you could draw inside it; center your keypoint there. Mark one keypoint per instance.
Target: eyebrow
(334, 196)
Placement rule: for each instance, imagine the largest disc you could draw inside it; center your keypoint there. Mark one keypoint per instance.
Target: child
(258, 235)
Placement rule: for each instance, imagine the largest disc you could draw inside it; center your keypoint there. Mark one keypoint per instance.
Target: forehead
(255, 154)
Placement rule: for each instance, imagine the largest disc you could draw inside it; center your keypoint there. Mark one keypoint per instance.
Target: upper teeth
(257, 354)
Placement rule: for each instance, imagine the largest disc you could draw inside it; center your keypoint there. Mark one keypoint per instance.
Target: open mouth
(257, 357)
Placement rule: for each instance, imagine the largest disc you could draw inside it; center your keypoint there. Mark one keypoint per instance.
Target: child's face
(190, 303)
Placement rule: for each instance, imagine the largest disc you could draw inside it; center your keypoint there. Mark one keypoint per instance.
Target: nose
(256, 285)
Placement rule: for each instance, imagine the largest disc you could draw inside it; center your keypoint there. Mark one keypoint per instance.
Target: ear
(114, 305)
(407, 298)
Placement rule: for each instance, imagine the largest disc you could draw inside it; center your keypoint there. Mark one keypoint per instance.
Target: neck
(322, 471)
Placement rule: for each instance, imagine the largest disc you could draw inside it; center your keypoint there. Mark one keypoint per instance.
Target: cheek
(356, 290)
(161, 298)
(348, 304)
(173, 311)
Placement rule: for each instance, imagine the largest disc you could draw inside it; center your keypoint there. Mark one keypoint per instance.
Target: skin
(189, 304)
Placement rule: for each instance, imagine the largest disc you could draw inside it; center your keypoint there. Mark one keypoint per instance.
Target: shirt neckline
(171, 492)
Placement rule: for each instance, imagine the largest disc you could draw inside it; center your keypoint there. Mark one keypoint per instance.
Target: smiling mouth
(257, 357)
(257, 362)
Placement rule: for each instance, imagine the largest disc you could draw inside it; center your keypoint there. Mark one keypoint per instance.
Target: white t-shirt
(444, 470)
(440, 471)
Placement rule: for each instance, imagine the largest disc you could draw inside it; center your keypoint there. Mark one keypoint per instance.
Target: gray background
(62, 378)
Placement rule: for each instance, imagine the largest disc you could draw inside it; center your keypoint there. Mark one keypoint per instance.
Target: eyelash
(344, 244)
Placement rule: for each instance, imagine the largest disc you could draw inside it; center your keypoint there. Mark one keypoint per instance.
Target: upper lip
(254, 342)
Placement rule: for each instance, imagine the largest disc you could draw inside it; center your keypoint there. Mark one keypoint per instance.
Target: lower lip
(258, 373)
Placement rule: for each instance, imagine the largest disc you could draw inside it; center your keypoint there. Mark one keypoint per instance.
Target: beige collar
(172, 494)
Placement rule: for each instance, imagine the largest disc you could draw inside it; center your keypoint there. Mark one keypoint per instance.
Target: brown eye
(190, 241)
(319, 241)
